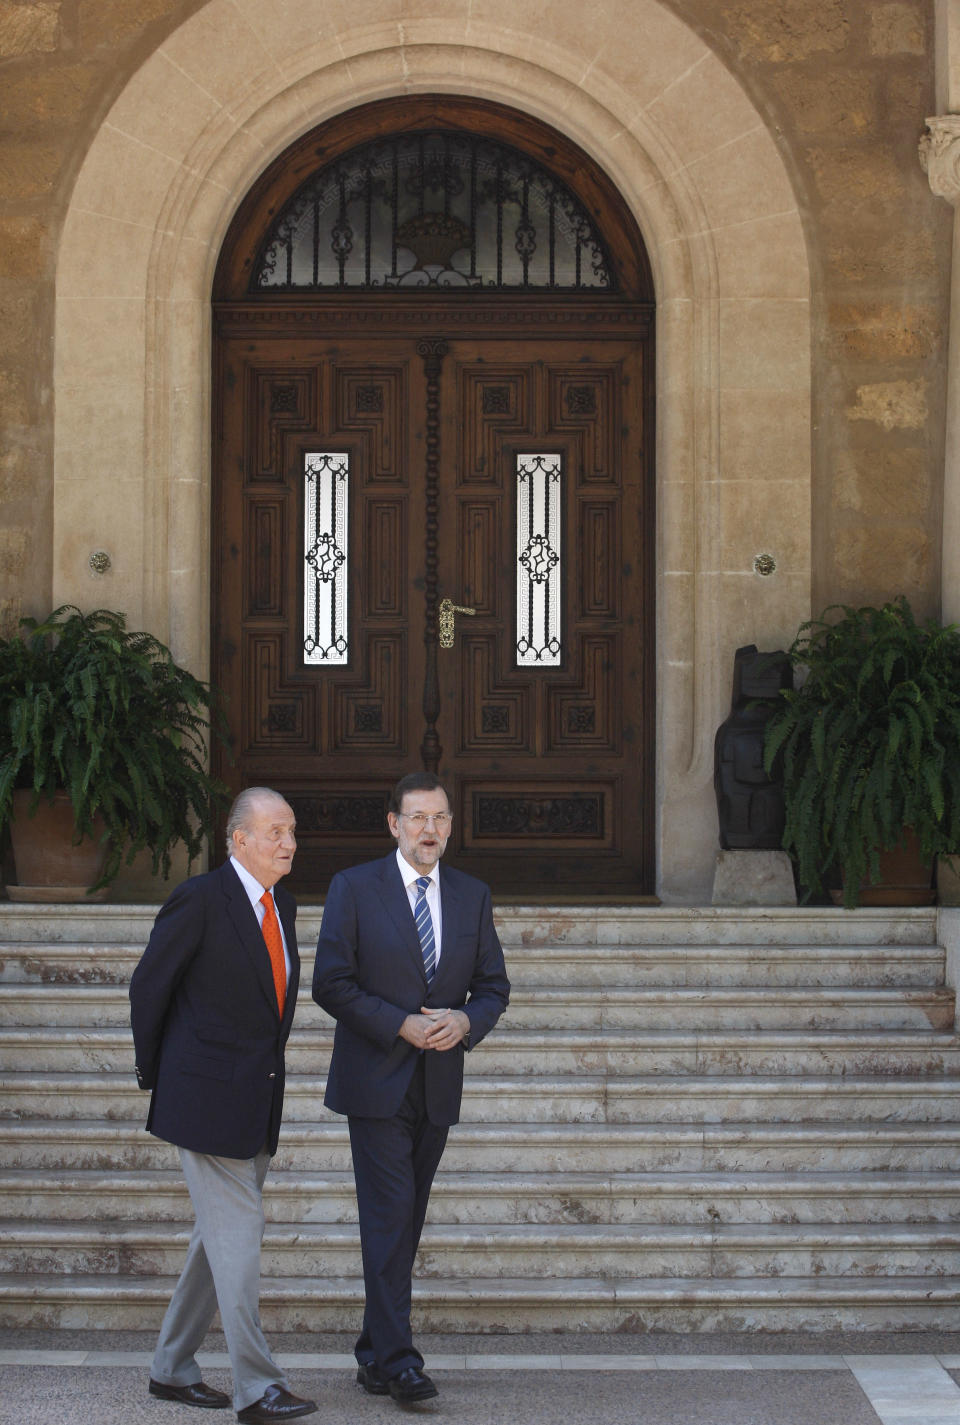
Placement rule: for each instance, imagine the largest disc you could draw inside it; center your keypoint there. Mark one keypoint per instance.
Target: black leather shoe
(411, 1385)
(370, 1376)
(197, 1394)
(276, 1403)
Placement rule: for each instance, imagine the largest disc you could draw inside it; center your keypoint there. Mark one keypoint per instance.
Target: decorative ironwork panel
(441, 209)
(325, 564)
(539, 509)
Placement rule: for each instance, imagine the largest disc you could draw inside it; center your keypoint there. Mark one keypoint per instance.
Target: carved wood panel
(491, 405)
(550, 769)
(587, 400)
(573, 736)
(283, 401)
(496, 712)
(375, 401)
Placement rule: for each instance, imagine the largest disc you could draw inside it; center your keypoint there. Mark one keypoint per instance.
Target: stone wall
(61, 64)
(845, 86)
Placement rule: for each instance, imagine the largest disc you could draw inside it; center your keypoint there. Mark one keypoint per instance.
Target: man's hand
(447, 1027)
(435, 1028)
(414, 1029)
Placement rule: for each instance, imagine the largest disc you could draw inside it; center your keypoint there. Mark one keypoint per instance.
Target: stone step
(571, 1007)
(482, 1251)
(597, 967)
(701, 1196)
(519, 1052)
(762, 966)
(730, 1007)
(507, 1304)
(539, 1098)
(503, 1147)
(533, 926)
(787, 1080)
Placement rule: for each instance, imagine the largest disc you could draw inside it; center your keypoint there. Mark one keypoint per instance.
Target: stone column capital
(940, 156)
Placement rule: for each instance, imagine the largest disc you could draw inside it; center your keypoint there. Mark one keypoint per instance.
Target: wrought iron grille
(539, 494)
(438, 209)
(325, 572)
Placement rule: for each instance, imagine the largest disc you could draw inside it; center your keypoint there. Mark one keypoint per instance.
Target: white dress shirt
(254, 890)
(410, 876)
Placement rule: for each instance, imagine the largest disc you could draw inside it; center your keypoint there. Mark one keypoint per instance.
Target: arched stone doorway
(697, 165)
(433, 376)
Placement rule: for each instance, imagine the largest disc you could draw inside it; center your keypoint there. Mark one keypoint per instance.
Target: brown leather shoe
(276, 1403)
(197, 1394)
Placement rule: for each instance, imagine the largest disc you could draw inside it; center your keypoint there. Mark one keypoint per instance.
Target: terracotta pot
(49, 866)
(906, 878)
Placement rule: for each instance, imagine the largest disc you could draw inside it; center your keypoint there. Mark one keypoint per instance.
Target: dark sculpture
(749, 802)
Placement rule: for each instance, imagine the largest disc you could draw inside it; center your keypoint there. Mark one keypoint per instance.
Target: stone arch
(222, 96)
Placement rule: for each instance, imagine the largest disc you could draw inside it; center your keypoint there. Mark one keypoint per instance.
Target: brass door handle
(447, 620)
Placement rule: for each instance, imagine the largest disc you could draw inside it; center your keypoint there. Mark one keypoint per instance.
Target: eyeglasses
(441, 820)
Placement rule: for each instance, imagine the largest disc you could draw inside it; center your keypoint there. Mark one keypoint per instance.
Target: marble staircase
(688, 1119)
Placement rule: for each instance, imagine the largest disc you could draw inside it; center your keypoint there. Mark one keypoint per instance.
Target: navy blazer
(208, 1035)
(369, 976)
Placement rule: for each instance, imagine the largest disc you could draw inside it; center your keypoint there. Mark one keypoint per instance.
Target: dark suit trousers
(394, 1162)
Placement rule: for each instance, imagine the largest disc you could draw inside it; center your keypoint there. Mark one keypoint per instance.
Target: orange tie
(271, 934)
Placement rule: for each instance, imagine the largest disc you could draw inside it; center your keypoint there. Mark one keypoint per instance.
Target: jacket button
(272, 1076)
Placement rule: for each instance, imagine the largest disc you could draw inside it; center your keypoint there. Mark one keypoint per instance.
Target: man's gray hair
(239, 814)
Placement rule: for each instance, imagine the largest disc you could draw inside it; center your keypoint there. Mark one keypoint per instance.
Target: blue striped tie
(421, 914)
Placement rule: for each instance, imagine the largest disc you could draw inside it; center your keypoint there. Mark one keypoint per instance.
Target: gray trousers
(222, 1270)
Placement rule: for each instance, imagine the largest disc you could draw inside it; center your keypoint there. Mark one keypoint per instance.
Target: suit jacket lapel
(243, 917)
(449, 925)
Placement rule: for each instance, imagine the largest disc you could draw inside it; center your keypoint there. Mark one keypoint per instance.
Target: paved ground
(79, 1377)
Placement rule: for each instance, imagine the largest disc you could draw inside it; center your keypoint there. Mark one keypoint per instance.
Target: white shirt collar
(411, 874)
(250, 883)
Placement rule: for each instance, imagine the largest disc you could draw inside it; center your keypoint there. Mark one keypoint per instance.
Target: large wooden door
(439, 438)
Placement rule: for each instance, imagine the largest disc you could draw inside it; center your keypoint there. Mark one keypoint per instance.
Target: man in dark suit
(211, 1004)
(410, 966)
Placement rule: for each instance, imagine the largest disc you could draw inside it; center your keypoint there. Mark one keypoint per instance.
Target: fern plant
(869, 744)
(105, 714)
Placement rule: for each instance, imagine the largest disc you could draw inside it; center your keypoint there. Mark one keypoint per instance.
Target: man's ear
(393, 821)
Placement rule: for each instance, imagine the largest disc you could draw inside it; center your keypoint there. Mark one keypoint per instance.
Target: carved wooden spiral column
(433, 351)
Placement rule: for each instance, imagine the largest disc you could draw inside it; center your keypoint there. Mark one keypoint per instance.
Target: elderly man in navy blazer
(410, 966)
(211, 1004)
